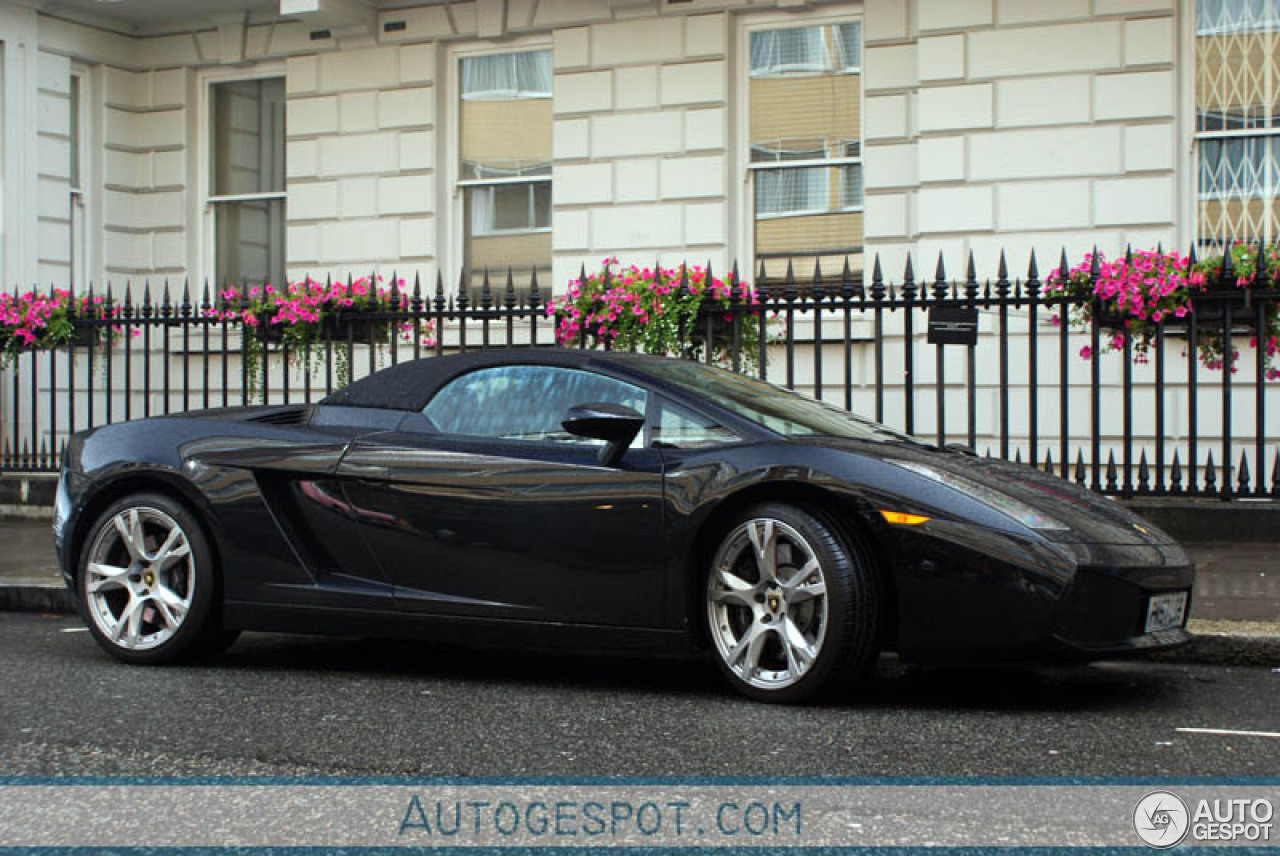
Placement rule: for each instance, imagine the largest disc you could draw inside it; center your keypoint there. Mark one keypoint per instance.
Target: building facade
(248, 141)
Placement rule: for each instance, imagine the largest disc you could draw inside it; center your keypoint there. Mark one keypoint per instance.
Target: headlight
(1005, 504)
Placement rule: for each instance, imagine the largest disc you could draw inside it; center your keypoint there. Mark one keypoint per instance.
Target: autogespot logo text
(1161, 819)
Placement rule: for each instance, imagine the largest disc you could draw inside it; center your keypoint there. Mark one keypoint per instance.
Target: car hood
(1089, 516)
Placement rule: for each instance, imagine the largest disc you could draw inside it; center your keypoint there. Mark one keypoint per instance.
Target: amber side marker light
(901, 518)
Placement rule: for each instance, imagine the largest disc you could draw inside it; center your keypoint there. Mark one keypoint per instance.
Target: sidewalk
(1235, 611)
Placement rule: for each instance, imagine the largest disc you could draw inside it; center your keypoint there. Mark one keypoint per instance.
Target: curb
(38, 595)
(1213, 643)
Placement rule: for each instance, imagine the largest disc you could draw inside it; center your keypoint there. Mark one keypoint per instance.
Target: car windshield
(768, 406)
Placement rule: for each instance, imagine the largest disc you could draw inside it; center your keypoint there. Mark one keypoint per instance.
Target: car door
(485, 506)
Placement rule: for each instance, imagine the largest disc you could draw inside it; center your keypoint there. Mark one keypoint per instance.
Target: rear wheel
(147, 583)
(791, 605)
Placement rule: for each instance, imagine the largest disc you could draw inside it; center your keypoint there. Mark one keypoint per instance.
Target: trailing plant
(1146, 289)
(660, 311)
(308, 313)
(39, 322)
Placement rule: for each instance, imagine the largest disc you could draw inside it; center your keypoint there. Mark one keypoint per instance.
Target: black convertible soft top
(409, 386)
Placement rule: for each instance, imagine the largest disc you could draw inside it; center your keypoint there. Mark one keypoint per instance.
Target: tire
(147, 586)
(802, 625)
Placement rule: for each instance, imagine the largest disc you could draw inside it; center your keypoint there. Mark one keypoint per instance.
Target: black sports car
(606, 501)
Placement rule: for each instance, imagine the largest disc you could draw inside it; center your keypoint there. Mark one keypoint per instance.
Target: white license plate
(1165, 611)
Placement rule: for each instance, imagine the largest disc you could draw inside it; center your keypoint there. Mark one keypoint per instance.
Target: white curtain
(797, 49)
(848, 43)
(1214, 17)
(791, 191)
(1240, 168)
(503, 76)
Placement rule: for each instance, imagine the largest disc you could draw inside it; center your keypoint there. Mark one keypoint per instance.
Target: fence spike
(1275, 475)
(1048, 461)
(818, 291)
(1191, 256)
(971, 279)
(1112, 477)
(6, 459)
(877, 281)
(1210, 474)
(788, 283)
(1175, 474)
(908, 277)
(395, 290)
(44, 454)
(25, 460)
(486, 295)
(1243, 479)
(1261, 278)
(185, 309)
(940, 279)
(460, 299)
(1227, 273)
(1144, 472)
(846, 281)
(415, 302)
(439, 299)
(1079, 466)
(205, 305)
(1128, 255)
(166, 305)
(510, 296)
(1033, 277)
(1002, 277)
(535, 296)
(1017, 455)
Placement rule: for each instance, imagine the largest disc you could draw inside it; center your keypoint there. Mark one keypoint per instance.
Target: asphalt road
(285, 705)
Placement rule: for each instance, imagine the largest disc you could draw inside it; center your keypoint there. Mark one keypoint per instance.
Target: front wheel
(792, 605)
(147, 583)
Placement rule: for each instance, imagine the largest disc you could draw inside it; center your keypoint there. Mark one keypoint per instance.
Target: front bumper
(1103, 613)
(65, 514)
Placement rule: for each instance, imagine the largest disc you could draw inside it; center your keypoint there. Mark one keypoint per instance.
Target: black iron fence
(906, 353)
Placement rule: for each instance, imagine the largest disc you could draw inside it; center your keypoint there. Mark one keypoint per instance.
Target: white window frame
(85, 204)
(206, 249)
(741, 145)
(451, 265)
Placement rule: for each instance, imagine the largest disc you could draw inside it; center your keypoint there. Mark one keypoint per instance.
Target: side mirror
(616, 424)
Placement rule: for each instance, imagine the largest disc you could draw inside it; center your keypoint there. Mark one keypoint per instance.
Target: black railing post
(1228, 280)
(1095, 373)
(1002, 292)
(1033, 360)
(1262, 282)
(940, 369)
(877, 297)
(908, 345)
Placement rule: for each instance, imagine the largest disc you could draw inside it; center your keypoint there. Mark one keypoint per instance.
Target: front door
(491, 509)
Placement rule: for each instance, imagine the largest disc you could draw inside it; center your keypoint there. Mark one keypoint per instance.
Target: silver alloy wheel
(140, 578)
(767, 604)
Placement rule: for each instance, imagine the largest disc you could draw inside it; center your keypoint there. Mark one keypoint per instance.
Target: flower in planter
(647, 310)
(41, 322)
(1146, 289)
(308, 312)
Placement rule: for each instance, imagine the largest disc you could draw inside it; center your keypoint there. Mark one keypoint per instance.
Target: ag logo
(1161, 819)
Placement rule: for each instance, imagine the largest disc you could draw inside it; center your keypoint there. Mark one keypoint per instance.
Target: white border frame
(201, 253)
(739, 159)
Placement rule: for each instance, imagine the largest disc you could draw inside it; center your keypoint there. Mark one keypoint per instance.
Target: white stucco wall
(1020, 125)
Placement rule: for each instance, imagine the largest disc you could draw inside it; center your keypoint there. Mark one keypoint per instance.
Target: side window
(524, 402)
(678, 428)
